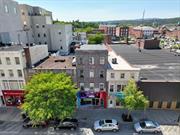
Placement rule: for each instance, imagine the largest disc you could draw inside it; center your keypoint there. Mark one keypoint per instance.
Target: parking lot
(11, 123)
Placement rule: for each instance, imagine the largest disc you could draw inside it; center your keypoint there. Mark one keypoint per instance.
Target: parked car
(106, 125)
(32, 124)
(147, 126)
(68, 123)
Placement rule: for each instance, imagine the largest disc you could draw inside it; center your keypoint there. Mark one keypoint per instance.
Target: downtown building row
(25, 24)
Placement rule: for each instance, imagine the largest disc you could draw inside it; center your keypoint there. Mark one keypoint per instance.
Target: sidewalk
(10, 114)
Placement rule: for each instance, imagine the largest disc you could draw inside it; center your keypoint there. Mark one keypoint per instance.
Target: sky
(105, 10)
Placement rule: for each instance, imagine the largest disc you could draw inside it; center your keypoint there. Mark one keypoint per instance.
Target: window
(91, 60)
(0, 61)
(111, 88)
(8, 61)
(61, 47)
(15, 11)
(5, 84)
(37, 25)
(19, 72)
(17, 61)
(112, 75)
(132, 75)
(101, 86)
(2, 74)
(122, 75)
(59, 33)
(123, 86)
(6, 8)
(81, 86)
(40, 43)
(101, 74)
(11, 74)
(45, 43)
(80, 61)
(102, 60)
(91, 86)
(39, 35)
(44, 35)
(91, 73)
(118, 88)
(43, 26)
(81, 73)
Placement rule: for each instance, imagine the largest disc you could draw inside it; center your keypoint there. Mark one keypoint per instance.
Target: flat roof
(57, 62)
(155, 64)
(11, 48)
(121, 63)
(92, 47)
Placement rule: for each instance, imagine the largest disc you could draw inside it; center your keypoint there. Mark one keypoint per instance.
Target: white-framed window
(111, 88)
(8, 61)
(15, 10)
(81, 86)
(101, 75)
(91, 73)
(102, 60)
(132, 75)
(119, 88)
(2, 74)
(11, 74)
(101, 86)
(17, 61)
(37, 25)
(91, 86)
(19, 72)
(91, 60)
(81, 73)
(0, 61)
(6, 8)
(122, 75)
(80, 61)
(112, 75)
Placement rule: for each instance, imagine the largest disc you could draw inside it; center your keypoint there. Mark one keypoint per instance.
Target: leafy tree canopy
(134, 98)
(95, 39)
(50, 95)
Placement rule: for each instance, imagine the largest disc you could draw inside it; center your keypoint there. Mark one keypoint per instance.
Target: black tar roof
(155, 64)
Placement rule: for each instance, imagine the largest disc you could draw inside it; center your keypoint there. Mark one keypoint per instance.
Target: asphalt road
(11, 123)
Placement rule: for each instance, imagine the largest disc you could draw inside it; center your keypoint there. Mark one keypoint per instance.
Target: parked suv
(106, 125)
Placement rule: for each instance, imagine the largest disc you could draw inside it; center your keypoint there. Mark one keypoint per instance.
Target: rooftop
(120, 64)
(92, 47)
(144, 28)
(57, 62)
(155, 64)
(11, 48)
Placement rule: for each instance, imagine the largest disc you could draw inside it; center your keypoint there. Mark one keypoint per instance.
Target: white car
(147, 126)
(106, 125)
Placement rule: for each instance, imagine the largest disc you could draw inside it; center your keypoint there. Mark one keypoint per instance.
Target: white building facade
(118, 74)
(12, 75)
(10, 23)
(41, 30)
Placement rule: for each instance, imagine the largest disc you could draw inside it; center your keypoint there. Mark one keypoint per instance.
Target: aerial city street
(76, 67)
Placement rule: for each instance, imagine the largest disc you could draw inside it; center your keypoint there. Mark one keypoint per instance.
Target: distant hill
(149, 22)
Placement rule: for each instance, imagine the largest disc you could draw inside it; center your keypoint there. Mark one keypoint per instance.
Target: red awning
(13, 92)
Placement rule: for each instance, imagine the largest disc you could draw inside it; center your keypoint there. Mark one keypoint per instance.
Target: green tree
(49, 95)
(95, 39)
(134, 98)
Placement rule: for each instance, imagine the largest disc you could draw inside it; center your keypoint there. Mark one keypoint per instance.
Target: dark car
(32, 124)
(67, 123)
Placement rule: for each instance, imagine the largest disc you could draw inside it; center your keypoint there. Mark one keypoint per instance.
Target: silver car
(147, 126)
(106, 125)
